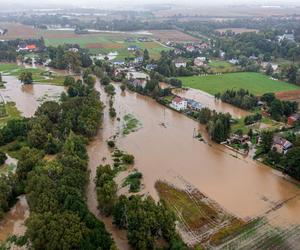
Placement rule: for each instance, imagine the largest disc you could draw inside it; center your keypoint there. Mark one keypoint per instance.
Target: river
(240, 185)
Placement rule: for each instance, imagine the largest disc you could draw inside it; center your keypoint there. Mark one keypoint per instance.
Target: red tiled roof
(31, 46)
(177, 100)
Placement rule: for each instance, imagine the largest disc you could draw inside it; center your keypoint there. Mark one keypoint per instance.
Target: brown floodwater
(28, 97)
(209, 101)
(240, 185)
(13, 221)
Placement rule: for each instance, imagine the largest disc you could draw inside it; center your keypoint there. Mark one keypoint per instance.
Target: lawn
(12, 113)
(38, 75)
(256, 83)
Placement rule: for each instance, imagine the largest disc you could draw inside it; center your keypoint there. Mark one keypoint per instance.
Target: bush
(128, 159)
(111, 144)
(3, 158)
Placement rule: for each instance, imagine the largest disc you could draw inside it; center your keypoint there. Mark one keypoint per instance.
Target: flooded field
(209, 101)
(28, 97)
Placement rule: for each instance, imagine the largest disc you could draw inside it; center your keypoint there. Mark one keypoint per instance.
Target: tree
(120, 212)
(291, 162)
(268, 98)
(123, 87)
(110, 89)
(205, 115)
(269, 69)
(3, 158)
(56, 231)
(276, 110)
(26, 77)
(146, 55)
(176, 82)
(128, 159)
(69, 80)
(266, 141)
(73, 61)
(105, 80)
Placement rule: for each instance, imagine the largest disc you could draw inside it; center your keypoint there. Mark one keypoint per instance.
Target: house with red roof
(293, 119)
(179, 103)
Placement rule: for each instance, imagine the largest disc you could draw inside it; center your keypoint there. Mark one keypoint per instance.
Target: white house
(233, 61)
(199, 62)
(179, 63)
(179, 103)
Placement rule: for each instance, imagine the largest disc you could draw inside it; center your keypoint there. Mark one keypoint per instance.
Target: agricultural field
(293, 95)
(218, 66)
(256, 83)
(172, 35)
(201, 221)
(237, 30)
(103, 43)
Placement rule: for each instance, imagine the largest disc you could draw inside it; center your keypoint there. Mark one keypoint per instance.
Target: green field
(256, 83)
(102, 43)
(39, 75)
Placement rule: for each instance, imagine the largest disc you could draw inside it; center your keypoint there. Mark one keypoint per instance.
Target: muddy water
(240, 185)
(100, 154)
(13, 222)
(209, 101)
(28, 97)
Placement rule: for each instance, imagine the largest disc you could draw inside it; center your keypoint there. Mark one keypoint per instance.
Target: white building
(199, 61)
(179, 103)
(179, 63)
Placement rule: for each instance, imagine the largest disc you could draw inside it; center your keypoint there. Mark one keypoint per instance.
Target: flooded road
(209, 101)
(13, 221)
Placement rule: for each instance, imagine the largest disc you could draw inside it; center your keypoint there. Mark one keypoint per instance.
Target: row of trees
(240, 98)
(218, 124)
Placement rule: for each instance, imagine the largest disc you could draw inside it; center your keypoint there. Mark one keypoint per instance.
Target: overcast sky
(108, 3)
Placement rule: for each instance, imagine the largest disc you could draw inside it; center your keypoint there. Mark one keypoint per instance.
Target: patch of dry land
(292, 95)
(16, 30)
(172, 35)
